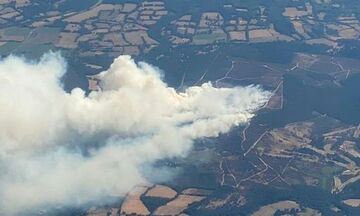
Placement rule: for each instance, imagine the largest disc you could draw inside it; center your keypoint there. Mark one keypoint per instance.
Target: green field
(209, 38)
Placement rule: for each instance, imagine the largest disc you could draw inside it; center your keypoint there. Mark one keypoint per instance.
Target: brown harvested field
(348, 33)
(350, 147)
(343, 31)
(101, 30)
(93, 12)
(116, 38)
(337, 183)
(178, 205)
(185, 18)
(299, 27)
(212, 15)
(152, 6)
(269, 210)
(67, 40)
(262, 35)
(72, 27)
(294, 12)
(10, 15)
(38, 24)
(211, 19)
(54, 18)
(139, 38)
(237, 35)
(259, 33)
(352, 202)
(322, 41)
(133, 204)
(162, 192)
(161, 13)
(87, 37)
(131, 50)
(128, 7)
(190, 31)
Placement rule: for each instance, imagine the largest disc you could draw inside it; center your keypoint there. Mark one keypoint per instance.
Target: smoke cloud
(59, 148)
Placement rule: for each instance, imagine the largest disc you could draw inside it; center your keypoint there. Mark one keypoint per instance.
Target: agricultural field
(300, 153)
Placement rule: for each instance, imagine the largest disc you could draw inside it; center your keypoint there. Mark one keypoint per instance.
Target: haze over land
(60, 148)
(298, 155)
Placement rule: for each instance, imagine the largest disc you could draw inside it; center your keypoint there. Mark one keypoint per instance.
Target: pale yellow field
(352, 202)
(176, 206)
(133, 204)
(269, 210)
(161, 191)
(237, 35)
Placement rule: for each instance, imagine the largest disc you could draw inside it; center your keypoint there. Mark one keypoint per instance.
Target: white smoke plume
(135, 120)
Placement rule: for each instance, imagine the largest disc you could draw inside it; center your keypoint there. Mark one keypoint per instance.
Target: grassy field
(208, 38)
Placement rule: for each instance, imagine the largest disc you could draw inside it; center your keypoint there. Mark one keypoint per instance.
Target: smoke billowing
(59, 148)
